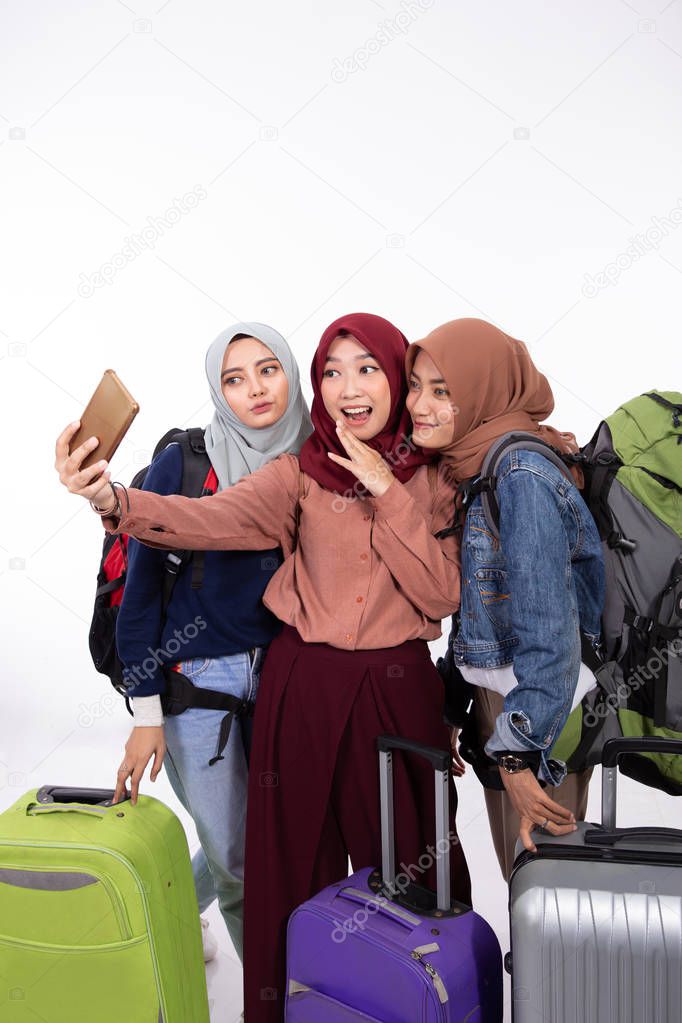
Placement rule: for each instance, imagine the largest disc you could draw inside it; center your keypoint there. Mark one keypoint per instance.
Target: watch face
(510, 763)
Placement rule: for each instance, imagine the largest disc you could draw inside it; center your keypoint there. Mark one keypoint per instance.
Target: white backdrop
(169, 168)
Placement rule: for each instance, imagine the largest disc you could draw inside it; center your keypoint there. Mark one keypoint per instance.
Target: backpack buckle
(616, 541)
(173, 563)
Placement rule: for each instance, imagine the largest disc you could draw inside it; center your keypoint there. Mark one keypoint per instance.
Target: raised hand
(91, 483)
(363, 461)
(144, 743)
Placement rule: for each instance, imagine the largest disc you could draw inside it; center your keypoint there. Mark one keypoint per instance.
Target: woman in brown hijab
(529, 596)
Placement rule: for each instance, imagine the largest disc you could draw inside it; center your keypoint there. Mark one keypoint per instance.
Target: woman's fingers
(61, 448)
(350, 443)
(559, 829)
(159, 754)
(65, 459)
(345, 462)
(73, 462)
(86, 477)
(525, 829)
(121, 778)
(355, 447)
(555, 811)
(135, 780)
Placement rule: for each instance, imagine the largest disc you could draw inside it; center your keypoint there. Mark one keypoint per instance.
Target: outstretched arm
(256, 514)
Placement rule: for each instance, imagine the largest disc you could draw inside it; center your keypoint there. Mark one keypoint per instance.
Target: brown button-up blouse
(358, 574)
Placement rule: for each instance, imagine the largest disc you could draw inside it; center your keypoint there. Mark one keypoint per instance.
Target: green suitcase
(98, 915)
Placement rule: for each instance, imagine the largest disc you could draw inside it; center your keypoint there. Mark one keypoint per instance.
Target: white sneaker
(208, 941)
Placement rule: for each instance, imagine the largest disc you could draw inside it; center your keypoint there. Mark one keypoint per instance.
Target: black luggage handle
(87, 797)
(440, 760)
(613, 750)
(596, 836)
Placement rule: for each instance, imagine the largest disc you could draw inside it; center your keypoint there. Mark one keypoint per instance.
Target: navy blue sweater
(225, 615)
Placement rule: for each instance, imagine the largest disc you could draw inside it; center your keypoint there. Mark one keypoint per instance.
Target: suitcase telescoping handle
(440, 761)
(613, 750)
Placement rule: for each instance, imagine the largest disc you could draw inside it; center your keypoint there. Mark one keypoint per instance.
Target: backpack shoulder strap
(195, 461)
(195, 468)
(487, 482)
(167, 439)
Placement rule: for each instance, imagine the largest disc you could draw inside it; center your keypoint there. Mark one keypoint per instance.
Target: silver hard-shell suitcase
(596, 917)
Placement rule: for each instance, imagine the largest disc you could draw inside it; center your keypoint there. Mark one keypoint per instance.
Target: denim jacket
(526, 598)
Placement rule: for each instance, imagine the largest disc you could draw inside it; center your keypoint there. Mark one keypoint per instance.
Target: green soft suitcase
(98, 915)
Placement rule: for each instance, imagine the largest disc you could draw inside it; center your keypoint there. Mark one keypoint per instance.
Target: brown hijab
(496, 388)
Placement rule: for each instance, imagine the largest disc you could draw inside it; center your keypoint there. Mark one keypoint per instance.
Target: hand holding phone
(84, 448)
(108, 416)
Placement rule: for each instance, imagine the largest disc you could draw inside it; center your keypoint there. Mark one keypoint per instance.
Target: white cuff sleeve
(147, 710)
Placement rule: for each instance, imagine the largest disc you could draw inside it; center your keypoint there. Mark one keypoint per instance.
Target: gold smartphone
(107, 416)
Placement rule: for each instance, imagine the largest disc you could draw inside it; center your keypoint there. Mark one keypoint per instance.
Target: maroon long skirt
(314, 786)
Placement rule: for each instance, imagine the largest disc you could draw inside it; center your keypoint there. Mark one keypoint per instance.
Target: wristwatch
(512, 764)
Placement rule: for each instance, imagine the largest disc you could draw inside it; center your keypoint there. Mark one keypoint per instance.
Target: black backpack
(198, 480)
(111, 577)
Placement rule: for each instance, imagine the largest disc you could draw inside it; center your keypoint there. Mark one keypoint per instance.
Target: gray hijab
(236, 450)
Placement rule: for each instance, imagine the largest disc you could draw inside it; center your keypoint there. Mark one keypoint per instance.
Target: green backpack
(633, 488)
(633, 474)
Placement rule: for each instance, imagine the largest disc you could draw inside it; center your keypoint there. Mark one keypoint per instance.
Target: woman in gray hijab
(215, 630)
(235, 447)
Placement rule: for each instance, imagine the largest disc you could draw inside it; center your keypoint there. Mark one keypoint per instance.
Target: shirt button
(349, 636)
(363, 557)
(366, 518)
(358, 600)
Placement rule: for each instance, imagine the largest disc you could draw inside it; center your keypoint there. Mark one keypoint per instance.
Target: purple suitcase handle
(397, 913)
(440, 760)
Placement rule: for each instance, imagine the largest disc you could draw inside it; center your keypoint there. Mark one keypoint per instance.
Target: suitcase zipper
(418, 954)
(108, 885)
(69, 949)
(397, 951)
(141, 890)
(119, 907)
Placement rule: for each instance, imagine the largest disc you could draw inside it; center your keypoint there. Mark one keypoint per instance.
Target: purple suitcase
(364, 951)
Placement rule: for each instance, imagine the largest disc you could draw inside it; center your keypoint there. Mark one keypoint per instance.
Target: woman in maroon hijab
(365, 583)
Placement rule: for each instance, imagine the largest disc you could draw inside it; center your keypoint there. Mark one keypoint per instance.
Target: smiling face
(355, 388)
(429, 403)
(253, 383)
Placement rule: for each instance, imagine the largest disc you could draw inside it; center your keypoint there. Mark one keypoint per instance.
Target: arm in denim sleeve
(544, 616)
(138, 626)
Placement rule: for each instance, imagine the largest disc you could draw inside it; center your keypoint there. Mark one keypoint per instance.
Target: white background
(421, 161)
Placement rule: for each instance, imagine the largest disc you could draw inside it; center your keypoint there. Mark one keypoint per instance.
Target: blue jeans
(215, 796)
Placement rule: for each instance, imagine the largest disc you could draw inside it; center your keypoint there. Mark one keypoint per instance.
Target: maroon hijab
(388, 346)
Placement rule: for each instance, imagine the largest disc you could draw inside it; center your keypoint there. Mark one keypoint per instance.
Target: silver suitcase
(596, 917)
